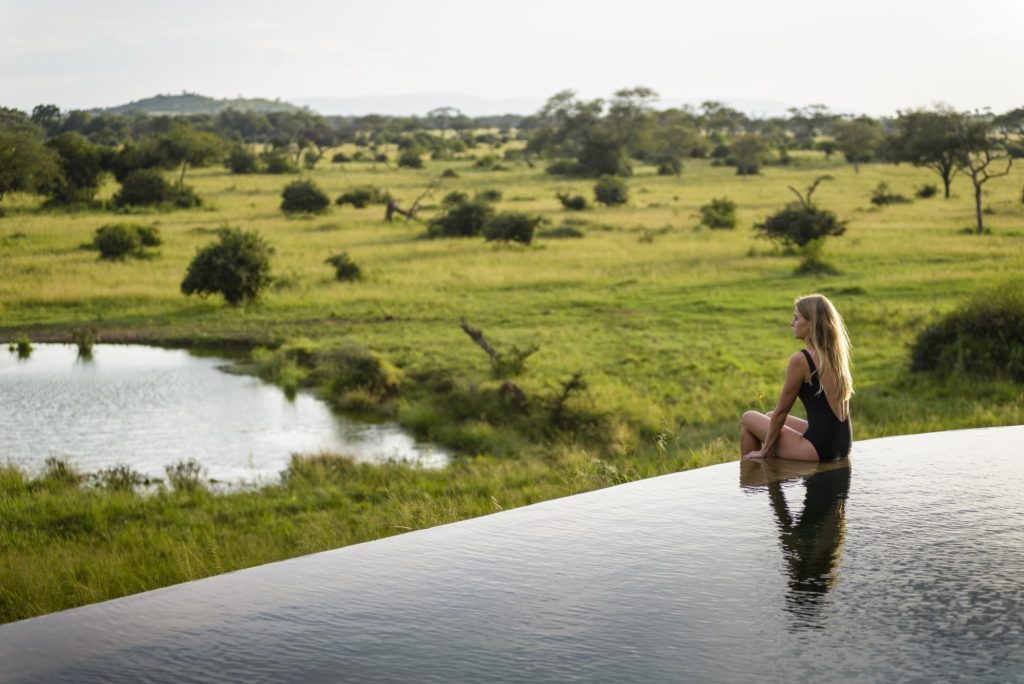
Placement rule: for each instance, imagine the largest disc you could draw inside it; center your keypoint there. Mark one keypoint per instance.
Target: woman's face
(800, 326)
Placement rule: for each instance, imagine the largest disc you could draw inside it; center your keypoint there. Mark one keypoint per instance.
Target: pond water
(148, 407)
(904, 565)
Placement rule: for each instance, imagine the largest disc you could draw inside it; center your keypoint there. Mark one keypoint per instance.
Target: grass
(676, 329)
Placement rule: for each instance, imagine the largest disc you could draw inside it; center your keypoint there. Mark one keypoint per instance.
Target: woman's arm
(796, 370)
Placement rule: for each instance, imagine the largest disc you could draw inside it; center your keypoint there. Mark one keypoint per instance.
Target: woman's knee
(749, 417)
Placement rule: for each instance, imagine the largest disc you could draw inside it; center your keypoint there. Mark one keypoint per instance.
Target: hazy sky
(872, 56)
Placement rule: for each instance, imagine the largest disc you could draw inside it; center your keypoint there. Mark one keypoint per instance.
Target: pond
(148, 407)
(904, 565)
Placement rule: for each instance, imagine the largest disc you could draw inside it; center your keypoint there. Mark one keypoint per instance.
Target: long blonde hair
(827, 336)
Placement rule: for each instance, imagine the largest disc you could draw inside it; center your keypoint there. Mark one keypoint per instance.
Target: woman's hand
(753, 454)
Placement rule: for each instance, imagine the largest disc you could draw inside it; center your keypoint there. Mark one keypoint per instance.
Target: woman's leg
(791, 444)
(798, 424)
(748, 442)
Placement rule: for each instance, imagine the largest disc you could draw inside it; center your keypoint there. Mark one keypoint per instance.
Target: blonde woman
(820, 376)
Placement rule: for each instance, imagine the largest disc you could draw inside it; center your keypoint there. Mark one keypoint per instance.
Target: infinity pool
(905, 565)
(148, 407)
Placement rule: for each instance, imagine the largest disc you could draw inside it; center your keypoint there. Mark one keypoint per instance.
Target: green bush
(410, 158)
(491, 195)
(454, 199)
(148, 187)
(719, 213)
(21, 346)
(511, 226)
(611, 190)
(798, 224)
(278, 162)
(242, 160)
(185, 476)
(358, 378)
(562, 231)
(118, 478)
(236, 266)
(670, 167)
(344, 267)
(462, 218)
(984, 336)
(340, 158)
(120, 240)
(449, 173)
(572, 202)
(303, 197)
(361, 197)
(927, 190)
(881, 196)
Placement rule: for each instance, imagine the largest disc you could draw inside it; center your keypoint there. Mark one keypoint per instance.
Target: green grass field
(677, 330)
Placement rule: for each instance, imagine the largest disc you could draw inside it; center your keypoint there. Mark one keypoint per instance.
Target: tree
(611, 190)
(303, 196)
(237, 266)
(26, 164)
(928, 139)
(858, 139)
(804, 226)
(81, 169)
(48, 117)
(983, 154)
(184, 146)
(748, 152)
(570, 127)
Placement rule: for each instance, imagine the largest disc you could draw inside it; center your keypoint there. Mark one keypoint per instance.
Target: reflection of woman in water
(812, 541)
(820, 376)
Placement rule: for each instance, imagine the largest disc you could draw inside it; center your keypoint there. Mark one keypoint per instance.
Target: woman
(820, 376)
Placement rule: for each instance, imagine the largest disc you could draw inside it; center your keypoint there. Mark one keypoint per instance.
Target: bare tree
(983, 155)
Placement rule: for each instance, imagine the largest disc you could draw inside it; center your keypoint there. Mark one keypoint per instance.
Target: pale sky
(873, 56)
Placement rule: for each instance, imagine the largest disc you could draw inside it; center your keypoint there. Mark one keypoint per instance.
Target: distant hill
(192, 103)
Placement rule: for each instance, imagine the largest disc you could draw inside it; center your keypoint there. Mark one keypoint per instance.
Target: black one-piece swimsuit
(831, 437)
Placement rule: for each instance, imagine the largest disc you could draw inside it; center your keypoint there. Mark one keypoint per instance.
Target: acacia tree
(25, 162)
(81, 169)
(984, 157)
(184, 146)
(858, 139)
(928, 139)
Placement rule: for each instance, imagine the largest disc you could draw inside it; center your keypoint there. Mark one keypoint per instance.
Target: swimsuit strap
(810, 361)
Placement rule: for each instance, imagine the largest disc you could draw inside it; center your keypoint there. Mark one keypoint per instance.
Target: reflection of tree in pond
(812, 541)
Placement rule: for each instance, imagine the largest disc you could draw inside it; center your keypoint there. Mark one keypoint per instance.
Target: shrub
(563, 167)
(148, 187)
(118, 478)
(409, 159)
(382, 157)
(57, 471)
(572, 203)
(352, 373)
(491, 195)
(462, 218)
(449, 173)
(21, 346)
(84, 339)
(242, 160)
(340, 158)
(362, 196)
(927, 190)
(310, 158)
(719, 213)
(984, 336)
(303, 196)
(454, 199)
(562, 231)
(185, 476)
(611, 190)
(671, 167)
(236, 266)
(798, 224)
(489, 162)
(881, 196)
(511, 226)
(120, 240)
(344, 267)
(278, 162)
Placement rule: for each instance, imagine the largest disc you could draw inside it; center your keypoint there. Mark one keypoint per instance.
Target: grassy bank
(674, 328)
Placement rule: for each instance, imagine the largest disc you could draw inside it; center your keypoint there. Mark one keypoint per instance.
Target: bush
(119, 478)
(409, 159)
(798, 224)
(562, 231)
(242, 160)
(563, 167)
(927, 190)
(719, 213)
(303, 196)
(148, 187)
(278, 162)
(463, 218)
(21, 346)
(572, 203)
(356, 376)
(611, 190)
(185, 476)
(454, 199)
(340, 158)
(489, 162)
(984, 336)
(361, 197)
(511, 226)
(236, 266)
(489, 195)
(881, 196)
(671, 167)
(310, 158)
(449, 173)
(120, 240)
(344, 267)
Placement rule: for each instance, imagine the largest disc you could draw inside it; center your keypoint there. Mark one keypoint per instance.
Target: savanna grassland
(675, 328)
